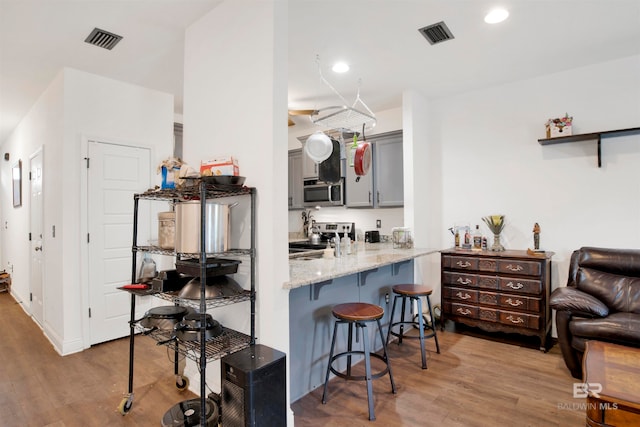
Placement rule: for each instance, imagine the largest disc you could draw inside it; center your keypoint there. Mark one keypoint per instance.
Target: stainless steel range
(327, 231)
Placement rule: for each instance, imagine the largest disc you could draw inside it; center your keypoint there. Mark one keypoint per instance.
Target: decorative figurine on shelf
(495, 224)
(536, 236)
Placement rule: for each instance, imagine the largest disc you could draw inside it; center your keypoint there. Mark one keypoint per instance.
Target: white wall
(422, 189)
(235, 103)
(41, 127)
(77, 105)
(492, 162)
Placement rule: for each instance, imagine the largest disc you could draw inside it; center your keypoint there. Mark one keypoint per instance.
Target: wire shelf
(192, 192)
(211, 302)
(158, 250)
(216, 348)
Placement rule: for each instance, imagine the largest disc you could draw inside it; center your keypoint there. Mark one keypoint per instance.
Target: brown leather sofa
(600, 302)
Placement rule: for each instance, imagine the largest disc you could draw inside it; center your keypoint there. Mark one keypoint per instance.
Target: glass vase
(497, 246)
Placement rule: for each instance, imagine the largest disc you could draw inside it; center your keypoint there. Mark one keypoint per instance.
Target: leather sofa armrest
(577, 302)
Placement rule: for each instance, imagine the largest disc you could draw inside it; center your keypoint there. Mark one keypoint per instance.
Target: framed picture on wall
(16, 179)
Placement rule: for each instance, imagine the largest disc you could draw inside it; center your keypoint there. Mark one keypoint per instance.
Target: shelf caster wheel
(125, 404)
(182, 383)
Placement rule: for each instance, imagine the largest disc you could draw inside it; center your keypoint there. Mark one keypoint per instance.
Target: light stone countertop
(304, 272)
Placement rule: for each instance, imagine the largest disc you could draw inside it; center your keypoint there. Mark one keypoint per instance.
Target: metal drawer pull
(516, 286)
(514, 304)
(515, 320)
(516, 268)
(463, 264)
(464, 281)
(464, 312)
(463, 296)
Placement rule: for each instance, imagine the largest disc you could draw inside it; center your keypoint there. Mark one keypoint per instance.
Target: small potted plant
(495, 224)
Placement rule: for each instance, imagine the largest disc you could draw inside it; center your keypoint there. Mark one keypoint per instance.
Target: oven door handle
(329, 188)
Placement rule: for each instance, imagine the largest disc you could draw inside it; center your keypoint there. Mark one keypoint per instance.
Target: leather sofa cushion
(622, 328)
(577, 302)
(619, 293)
(625, 262)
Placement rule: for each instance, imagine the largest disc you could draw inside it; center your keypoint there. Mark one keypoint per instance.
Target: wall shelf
(597, 136)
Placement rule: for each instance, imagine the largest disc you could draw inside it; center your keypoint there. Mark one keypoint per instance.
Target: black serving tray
(213, 266)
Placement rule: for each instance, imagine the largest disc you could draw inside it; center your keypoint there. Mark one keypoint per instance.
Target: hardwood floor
(473, 382)
(40, 388)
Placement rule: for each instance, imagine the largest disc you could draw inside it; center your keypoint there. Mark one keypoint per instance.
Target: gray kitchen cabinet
(295, 179)
(359, 194)
(309, 166)
(387, 170)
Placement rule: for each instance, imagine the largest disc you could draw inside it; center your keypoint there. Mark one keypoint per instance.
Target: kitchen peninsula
(317, 284)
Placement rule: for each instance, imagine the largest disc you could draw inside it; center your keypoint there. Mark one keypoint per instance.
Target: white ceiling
(378, 38)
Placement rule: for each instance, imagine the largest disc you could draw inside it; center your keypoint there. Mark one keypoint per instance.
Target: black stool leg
(433, 325)
(402, 319)
(393, 311)
(421, 332)
(326, 379)
(386, 357)
(350, 347)
(367, 368)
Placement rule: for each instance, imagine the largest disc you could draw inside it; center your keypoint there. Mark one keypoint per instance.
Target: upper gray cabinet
(383, 185)
(309, 166)
(388, 170)
(295, 199)
(358, 192)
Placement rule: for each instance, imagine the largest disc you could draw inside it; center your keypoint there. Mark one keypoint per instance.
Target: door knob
(38, 248)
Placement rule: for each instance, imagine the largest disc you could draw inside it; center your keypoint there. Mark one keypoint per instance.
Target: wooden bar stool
(413, 293)
(358, 314)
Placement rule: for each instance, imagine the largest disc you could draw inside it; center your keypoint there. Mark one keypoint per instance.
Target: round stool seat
(358, 312)
(412, 290)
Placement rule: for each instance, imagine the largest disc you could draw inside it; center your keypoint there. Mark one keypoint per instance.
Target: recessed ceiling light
(340, 67)
(496, 15)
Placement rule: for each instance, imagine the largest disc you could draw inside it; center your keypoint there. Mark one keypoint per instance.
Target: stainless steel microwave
(319, 193)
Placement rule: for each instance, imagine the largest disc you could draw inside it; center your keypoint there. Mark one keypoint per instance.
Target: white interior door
(37, 237)
(115, 173)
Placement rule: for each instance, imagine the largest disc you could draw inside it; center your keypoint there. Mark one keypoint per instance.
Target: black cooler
(254, 388)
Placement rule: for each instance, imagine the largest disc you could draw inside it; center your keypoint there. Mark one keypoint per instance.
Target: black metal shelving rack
(230, 340)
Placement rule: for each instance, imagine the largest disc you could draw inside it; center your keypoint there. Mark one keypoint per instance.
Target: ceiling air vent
(436, 33)
(102, 38)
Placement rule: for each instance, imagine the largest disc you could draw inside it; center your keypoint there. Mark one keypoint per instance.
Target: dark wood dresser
(498, 291)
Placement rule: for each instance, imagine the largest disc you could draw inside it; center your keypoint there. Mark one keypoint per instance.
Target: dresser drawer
(519, 302)
(513, 318)
(463, 263)
(488, 298)
(452, 278)
(524, 286)
(488, 314)
(515, 266)
(488, 264)
(460, 294)
(487, 282)
(464, 310)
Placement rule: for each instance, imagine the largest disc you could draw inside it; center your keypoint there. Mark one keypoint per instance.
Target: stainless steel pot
(217, 226)
(216, 287)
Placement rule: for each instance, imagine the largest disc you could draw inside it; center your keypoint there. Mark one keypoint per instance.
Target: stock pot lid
(167, 312)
